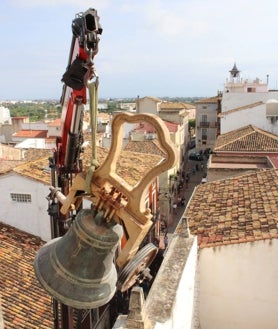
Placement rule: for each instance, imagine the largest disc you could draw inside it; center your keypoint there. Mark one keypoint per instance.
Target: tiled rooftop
(8, 165)
(210, 100)
(235, 210)
(247, 139)
(172, 127)
(39, 169)
(175, 106)
(24, 303)
(147, 147)
(31, 134)
(131, 166)
(33, 154)
(155, 99)
(147, 127)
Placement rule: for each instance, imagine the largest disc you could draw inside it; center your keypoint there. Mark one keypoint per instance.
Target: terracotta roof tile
(210, 100)
(147, 147)
(146, 127)
(155, 99)
(176, 106)
(235, 210)
(39, 169)
(31, 134)
(125, 166)
(172, 127)
(24, 303)
(34, 154)
(8, 165)
(247, 139)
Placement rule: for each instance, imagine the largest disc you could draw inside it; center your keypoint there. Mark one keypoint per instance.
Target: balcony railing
(204, 124)
(207, 124)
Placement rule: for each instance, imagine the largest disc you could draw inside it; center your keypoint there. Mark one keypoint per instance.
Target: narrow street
(186, 192)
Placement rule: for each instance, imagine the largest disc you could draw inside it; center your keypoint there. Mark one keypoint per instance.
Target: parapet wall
(171, 302)
(238, 159)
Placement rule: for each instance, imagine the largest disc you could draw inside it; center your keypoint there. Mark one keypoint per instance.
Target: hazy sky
(148, 47)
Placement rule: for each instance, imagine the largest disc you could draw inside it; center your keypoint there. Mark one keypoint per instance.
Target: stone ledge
(161, 298)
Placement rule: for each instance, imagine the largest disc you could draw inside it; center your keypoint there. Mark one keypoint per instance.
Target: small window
(23, 198)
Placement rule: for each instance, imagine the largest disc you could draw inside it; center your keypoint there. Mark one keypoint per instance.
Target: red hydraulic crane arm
(80, 70)
(79, 74)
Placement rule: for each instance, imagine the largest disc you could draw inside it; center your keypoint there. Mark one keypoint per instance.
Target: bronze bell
(77, 269)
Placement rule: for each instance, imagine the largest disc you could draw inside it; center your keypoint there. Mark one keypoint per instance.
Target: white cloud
(166, 19)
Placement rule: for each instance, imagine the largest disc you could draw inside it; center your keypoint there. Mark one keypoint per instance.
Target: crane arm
(84, 46)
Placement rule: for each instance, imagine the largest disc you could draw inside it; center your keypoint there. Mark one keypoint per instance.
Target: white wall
(38, 143)
(183, 313)
(29, 217)
(238, 286)
(255, 116)
(5, 116)
(34, 126)
(54, 131)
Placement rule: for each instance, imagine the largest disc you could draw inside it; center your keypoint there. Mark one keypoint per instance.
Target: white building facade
(248, 102)
(5, 115)
(207, 121)
(24, 204)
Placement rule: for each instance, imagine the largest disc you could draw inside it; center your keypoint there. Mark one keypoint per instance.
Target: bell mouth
(77, 269)
(68, 288)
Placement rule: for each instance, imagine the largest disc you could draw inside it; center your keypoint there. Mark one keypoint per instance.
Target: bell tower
(234, 74)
